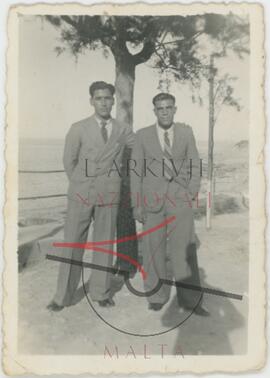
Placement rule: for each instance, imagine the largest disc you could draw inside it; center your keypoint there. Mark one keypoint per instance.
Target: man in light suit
(93, 148)
(166, 178)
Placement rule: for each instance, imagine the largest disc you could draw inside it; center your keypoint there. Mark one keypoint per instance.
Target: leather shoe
(201, 311)
(107, 303)
(53, 306)
(155, 306)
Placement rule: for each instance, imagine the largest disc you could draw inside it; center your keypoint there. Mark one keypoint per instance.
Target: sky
(53, 90)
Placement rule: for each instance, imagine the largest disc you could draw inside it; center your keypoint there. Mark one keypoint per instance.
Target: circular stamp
(151, 320)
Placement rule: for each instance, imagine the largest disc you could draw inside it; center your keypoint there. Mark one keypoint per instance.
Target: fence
(42, 197)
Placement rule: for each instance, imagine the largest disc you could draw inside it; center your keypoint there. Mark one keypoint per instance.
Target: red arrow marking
(92, 245)
(116, 241)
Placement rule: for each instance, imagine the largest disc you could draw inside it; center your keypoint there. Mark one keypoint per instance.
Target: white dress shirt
(108, 125)
(161, 132)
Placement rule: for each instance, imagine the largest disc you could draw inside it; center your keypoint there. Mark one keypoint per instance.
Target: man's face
(165, 111)
(103, 102)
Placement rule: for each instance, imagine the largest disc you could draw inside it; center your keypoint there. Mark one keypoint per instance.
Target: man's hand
(139, 214)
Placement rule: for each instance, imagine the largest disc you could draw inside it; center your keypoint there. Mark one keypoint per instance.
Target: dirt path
(223, 258)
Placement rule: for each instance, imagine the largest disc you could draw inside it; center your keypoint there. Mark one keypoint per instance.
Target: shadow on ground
(214, 331)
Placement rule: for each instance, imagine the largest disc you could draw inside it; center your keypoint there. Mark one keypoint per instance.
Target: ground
(223, 261)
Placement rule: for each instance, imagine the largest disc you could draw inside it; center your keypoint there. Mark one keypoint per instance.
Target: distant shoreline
(40, 140)
(61, 141)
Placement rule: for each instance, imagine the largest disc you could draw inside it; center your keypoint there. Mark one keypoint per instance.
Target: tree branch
(69, 21)
(164, 64)
(217, 89)
(145, 54)
(219, 110)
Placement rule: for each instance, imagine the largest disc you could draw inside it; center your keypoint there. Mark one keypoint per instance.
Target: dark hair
(163, 96)
(100, 85)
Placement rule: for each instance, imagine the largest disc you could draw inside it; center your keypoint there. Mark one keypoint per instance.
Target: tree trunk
(124, 85)
(209, 202)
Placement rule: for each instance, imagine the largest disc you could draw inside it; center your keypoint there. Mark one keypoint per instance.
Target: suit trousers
(177, 240)
(77, 224)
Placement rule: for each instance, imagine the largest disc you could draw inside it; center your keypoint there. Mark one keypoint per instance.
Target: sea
(38, 181)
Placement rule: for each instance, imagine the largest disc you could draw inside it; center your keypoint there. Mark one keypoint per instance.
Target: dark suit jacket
(99, 181)
(151, 184)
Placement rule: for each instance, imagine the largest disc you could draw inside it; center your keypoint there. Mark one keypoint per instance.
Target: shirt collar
(170, 130)
(108, 121)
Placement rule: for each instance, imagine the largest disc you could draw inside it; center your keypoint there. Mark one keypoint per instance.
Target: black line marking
(143, 294)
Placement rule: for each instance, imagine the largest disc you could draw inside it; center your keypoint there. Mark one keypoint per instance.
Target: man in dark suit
(166, 177)
(93, 148)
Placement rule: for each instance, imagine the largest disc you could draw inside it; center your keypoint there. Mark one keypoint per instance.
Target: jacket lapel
(154, 144)
(114, 134)
(112, 141)
(175, 139)
(179, 140)
(93, 131)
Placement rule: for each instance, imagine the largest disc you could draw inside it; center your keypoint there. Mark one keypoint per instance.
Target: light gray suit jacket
(151, 184)
(91, 165)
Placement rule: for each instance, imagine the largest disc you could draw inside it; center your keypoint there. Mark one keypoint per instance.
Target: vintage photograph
(135, 189)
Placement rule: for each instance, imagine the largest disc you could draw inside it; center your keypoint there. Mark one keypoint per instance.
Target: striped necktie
(104, 131)
(167, 153)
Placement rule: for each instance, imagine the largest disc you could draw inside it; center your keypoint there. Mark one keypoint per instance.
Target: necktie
(104, 131)
(167, 143)
(168, 169)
